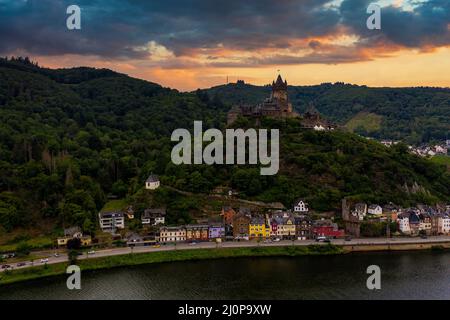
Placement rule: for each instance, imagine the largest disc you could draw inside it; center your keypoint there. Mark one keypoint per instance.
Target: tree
(23, 249)
(74, 244)
(73, 257)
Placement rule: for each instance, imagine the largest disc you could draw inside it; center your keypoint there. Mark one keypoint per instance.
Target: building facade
(172, 234)
(300, 206)
(152, 182)
(216, 232)
(111, 221)
(258, 228)
(197, 232)
(241, 225)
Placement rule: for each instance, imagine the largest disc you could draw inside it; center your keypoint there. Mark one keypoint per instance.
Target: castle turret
(279, 89)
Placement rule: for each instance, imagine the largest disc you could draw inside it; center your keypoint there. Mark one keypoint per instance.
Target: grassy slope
(114, 205)
(369, 121)
(443, 160)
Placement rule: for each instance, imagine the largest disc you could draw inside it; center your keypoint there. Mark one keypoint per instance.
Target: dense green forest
(69, 138)
(413, 115)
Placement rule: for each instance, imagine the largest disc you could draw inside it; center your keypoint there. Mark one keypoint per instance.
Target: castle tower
(279, 90)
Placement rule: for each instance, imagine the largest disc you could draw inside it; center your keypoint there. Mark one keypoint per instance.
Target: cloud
(423, 26)
(193, 33)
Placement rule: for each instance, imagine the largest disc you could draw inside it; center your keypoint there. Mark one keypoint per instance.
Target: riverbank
(120, 257)
(50, 270)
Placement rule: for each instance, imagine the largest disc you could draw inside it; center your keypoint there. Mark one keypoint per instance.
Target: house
(135, 240)
(111, 220)
(319, 127)
(153, 217)
(303, 227)
(359, 211)
(435, 218)
(425, 223)
(375, 209)
(197, 232)
(229, 234)
(85, 241)
(241, 222)
(300, 206)
(216, 231)
(258, 228)
(414, 222)
(130, 212)
(74, 232)
(326, 228)
(152, 182)
(71, 233)
(403, 223)
(283, 227)
(228, 214)
(444, 225)
(172, 234)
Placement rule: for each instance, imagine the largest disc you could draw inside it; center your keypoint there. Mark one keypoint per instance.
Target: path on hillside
(273, 205)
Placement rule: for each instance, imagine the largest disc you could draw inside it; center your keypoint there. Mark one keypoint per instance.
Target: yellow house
(63, 241)
(85, 241)
(258, 228)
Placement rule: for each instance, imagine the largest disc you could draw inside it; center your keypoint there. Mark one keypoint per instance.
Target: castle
(276, 106)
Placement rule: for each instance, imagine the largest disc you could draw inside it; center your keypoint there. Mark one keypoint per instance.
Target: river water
(404, 275)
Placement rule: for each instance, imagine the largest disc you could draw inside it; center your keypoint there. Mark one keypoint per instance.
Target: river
(404, 275)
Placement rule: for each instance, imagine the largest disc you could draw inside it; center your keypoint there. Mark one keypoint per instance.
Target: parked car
(276, 240)
(44, 260)
(21, 264)
(322, 239)
(6, 266)
(348, 238)
(91, 252)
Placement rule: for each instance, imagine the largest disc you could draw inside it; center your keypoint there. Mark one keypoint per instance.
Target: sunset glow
(311, 42)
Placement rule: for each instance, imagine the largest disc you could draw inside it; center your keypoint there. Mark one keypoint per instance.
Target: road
(234, 244)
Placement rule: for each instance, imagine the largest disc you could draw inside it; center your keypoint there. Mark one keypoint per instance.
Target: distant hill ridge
(414, 115)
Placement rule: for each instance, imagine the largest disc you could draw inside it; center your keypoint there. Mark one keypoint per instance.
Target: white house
(375, 209)
(403, 224)
(172, 234)
(153, 217)
(110, 221)
(319, 128)
(152, 182)
(301, 206)
(360, 210)
(444, 225)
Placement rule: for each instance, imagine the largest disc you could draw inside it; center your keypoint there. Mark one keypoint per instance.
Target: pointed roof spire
(279, 80)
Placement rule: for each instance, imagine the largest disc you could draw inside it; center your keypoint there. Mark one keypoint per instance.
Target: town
(297, 223)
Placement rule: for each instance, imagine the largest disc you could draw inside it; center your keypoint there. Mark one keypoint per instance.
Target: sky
(189, 44)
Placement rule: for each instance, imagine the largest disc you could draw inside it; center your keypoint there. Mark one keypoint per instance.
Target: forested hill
(69, 138)
(414, 115)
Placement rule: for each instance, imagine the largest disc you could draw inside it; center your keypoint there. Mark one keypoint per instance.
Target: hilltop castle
(276, 106)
